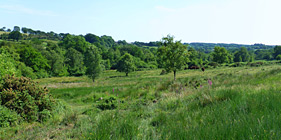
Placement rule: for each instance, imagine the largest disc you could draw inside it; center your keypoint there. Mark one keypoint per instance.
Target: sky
(209, 21)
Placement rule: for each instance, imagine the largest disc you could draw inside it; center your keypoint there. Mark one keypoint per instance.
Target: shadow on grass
(117, 76)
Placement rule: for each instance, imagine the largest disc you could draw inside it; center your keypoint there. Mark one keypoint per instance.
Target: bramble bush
(26, 98)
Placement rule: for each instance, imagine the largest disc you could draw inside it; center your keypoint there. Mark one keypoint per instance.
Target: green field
(241, 103)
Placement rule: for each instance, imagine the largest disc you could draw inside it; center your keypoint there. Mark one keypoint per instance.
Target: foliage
(264, 54)
(7, 65)
(277, 51)
(75, 62)
(278, 57)
(33, 58)
(214, 64)
(220, 55)
(92, 38)
(26, 71)
(25, 97)
(106, 63)
(172, 55)
(242, 55)
(93, 63)
(15, 35)
(8, 117)
(16, 28)
(76, 42)
(107, 103)
(126, 64)
(56, 61)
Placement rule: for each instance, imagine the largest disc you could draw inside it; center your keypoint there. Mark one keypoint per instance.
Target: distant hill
(208, 47)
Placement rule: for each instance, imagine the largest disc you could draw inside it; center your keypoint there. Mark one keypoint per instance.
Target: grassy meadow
(221, 103)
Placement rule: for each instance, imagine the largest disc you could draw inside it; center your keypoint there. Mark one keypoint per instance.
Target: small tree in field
(172, 55)
(93, 61)
(126, 64)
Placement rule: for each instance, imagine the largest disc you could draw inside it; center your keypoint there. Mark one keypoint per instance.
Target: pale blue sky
(216, 21)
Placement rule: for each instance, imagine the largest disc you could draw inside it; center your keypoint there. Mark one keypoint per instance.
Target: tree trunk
(174, 75)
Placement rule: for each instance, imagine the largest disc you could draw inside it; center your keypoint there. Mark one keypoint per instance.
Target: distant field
(2, 32)
(241, 103)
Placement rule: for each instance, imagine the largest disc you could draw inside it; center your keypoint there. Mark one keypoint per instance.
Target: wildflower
(210, 82)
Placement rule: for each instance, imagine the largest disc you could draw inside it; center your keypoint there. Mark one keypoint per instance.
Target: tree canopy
(242, 55)
(93, 62)
(126, 64)
(172, 55)
(220, 55)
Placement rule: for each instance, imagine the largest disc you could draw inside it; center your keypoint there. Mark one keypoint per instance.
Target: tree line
(34, 54)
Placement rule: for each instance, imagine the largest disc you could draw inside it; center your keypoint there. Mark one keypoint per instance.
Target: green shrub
(107, 103)
(214, 64)
(193, 63)
(163, 72)
(8, 117)
(7, 65)
(26, 98)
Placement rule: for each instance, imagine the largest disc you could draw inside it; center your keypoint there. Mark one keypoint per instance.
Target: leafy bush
(214, 64)
(26, 98)
(107, 103)
(193, 63)
(8, 117)
(163, 72)
(7, 65)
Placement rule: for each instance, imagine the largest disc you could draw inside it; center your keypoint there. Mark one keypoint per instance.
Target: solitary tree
(172, 55)
(126, 64)
(16, 28)
(92, 62)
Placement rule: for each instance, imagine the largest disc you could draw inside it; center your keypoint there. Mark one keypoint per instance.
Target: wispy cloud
(25, 10)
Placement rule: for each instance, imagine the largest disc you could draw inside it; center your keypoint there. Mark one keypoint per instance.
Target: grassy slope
(242, 103)
(2, 32)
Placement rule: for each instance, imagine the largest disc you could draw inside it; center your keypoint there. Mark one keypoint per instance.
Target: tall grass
(241, 103)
